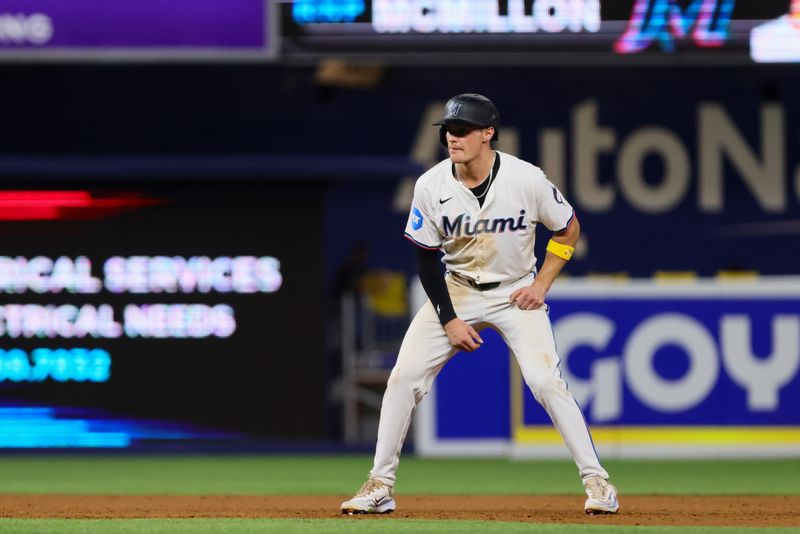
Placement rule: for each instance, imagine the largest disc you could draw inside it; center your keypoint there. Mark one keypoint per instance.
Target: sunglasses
(459, 131)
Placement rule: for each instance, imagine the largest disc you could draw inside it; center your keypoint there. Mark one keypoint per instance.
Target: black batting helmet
(470, 110)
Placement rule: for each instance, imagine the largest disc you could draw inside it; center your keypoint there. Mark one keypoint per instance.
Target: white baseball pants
(425, 350)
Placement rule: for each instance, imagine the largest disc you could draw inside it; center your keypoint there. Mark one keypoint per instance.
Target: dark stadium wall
(669, 168)
(711, 150)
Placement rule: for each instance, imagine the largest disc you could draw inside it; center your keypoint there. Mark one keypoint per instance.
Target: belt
(473, 284)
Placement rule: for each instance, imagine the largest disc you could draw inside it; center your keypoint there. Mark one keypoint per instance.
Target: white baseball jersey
(488, 244)
(492, 243)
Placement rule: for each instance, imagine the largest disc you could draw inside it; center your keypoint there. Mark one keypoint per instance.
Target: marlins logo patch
(416, 219)
(557, 196)
(452, 110)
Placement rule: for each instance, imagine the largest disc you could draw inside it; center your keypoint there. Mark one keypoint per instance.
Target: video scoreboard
(191, 303)
(559, 32)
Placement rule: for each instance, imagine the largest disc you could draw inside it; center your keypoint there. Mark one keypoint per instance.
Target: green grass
(341, 526)
(334, 475)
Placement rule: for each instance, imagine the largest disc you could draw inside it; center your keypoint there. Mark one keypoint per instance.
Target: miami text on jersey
(482, 226)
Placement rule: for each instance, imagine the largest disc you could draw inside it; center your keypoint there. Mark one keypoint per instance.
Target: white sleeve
(421, 227)
(552, 209)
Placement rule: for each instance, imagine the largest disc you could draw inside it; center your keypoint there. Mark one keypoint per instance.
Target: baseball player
(480, 208)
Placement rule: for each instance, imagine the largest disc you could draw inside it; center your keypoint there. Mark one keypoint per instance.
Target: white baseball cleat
(374, 497)
(602, 496)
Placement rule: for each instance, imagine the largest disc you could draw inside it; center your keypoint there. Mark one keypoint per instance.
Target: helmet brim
(461, 122)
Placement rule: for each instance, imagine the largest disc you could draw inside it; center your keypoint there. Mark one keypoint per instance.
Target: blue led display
(311, 11)
(60, 365)
(34, 426)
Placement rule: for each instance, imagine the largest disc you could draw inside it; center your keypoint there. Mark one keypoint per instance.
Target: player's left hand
(528, 298)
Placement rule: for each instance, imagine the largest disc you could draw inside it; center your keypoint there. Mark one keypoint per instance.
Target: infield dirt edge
(650, 510)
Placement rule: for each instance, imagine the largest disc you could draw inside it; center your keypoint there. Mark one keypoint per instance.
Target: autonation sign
(144, 29)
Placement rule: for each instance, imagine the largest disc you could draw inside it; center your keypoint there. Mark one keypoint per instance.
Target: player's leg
(530, 338)
(424, 351)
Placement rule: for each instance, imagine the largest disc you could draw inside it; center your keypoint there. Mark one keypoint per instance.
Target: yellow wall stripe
(668, 435)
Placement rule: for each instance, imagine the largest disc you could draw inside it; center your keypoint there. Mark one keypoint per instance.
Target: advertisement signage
(146, 29)
(689, 369)
(549, 31)
(181, 304)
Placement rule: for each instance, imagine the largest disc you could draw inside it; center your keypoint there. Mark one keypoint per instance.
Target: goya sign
(698, 368)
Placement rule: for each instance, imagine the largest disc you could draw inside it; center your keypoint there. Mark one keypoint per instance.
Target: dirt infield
(756, 511)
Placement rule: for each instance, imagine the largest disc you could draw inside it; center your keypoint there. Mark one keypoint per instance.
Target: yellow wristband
(561, 250)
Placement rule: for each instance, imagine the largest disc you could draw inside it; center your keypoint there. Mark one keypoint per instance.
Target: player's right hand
(462, 336)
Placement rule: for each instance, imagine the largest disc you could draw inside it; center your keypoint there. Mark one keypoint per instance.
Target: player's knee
(548, 386)
(405, 378)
